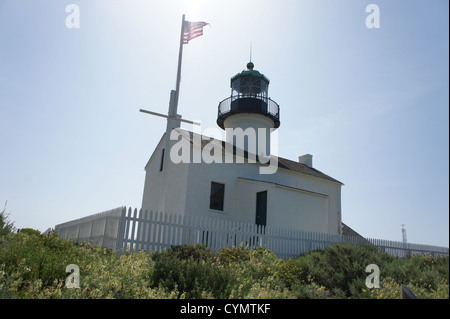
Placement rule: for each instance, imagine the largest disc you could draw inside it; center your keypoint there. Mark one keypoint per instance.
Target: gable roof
(304, 169)
(283, 163)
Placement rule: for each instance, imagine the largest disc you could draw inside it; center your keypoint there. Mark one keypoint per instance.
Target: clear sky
(370, 104)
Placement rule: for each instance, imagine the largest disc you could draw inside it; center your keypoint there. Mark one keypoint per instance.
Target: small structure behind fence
(100, 230)
(132, 230)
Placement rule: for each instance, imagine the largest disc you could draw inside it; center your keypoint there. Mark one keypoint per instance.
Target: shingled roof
(303, 169)
(282, 162)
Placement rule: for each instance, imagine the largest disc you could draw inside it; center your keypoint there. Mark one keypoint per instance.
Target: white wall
(243, 121)
(305, 210)
(294, 200)
(155, 197)
(306, 203)
(286, 207)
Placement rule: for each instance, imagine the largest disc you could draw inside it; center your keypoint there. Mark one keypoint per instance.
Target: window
(261, 208)
(161, 166)
(216, 197)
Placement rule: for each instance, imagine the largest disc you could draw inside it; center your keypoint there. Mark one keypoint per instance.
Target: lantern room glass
(249, 86)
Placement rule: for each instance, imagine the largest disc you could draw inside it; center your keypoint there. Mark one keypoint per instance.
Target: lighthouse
(269, 191)
(192, 175)
(248, 115)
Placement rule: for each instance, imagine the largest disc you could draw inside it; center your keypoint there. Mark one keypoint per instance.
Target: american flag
(191, 30)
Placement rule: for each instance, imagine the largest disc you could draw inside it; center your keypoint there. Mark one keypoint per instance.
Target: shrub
(28, 258)
(229, 255)
(30, 231)
(198, 252)
(117, 276)
(33, 266)
(263, 264)
(292, 274)
(6, 227)
(257, 273)
(420, 270)
(338, 267)
(191, 278)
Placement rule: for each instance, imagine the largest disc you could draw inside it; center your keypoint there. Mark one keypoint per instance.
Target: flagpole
(180, 57)
(173, 121)
(172, 116)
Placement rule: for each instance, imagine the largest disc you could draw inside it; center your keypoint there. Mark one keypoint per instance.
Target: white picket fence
(136, 230)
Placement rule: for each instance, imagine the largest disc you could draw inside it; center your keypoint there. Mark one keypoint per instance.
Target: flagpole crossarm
(176, 117)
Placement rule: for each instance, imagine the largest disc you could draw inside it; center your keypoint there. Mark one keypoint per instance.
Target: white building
(211, 181)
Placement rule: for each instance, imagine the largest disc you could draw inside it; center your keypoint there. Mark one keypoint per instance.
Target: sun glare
(192, 8)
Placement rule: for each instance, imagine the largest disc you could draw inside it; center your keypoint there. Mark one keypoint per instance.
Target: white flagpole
(173, 121)
(173, 118)
(180, 57)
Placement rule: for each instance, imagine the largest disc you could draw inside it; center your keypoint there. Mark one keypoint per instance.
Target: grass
(33, 266)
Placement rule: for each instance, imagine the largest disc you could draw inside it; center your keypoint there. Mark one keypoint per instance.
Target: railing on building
(238, 104)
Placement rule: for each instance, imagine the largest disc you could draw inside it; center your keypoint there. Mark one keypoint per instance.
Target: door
(261, 208)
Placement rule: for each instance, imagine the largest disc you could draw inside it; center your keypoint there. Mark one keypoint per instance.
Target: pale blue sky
(371, 105)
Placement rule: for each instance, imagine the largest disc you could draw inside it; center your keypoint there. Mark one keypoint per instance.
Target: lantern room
(249, 84)
(249, 94)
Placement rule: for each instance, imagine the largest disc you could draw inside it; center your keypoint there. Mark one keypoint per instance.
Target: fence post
(145, 225)
(120, 230)
(165, 236)
(140, 225)
(172, 222)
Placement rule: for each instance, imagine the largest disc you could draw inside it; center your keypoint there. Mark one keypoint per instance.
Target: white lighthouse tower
(249, 116)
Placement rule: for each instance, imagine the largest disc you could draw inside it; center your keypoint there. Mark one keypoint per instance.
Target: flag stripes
(192, 30)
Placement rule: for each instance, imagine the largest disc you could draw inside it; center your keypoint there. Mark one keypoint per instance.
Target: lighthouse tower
(249, 116)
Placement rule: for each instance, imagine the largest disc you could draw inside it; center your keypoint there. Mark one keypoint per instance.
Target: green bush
(256, 275)
(190, 277)
(6, 227)
(33, 266)
(29, 258)
(198, 252)
(30, 231)
(292, 274)
(229, 255)
(339, 267)
(423, 270)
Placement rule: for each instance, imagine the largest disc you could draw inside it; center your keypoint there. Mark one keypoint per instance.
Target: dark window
(161, 166)
(216, 197)
(261, 208)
